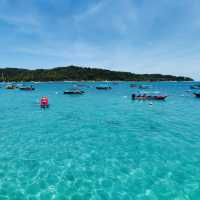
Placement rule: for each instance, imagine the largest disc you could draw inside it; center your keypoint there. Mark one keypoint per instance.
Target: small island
(76, 73)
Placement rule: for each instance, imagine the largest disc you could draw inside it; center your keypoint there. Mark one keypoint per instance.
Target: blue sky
(141, 36)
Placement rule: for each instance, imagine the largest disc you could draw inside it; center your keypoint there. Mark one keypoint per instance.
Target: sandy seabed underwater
(100, 145)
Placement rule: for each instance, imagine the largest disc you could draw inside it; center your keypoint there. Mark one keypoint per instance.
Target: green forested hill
(72, 73)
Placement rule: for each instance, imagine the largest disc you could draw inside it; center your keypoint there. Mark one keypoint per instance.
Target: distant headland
(76, 73)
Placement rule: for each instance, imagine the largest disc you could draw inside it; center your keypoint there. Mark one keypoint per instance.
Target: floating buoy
(44, 102)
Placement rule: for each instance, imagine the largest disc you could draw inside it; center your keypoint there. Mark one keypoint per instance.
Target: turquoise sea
(100, 145)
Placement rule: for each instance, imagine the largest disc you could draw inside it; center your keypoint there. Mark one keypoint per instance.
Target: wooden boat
(11, 87)
(103, 88)
(195, 87)
(73, 91)
(81, 85)
(145, 86)
(27, 88)
(133, 85)
(197, 95)
(148, 97)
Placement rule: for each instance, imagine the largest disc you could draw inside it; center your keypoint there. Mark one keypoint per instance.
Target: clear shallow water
(101, 145)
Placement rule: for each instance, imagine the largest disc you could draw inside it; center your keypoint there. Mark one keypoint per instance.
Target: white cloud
(150, 37)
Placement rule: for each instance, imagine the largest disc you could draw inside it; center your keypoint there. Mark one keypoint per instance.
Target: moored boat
(81, 85)
(27, 88)
(73, 91)
(145, 86)
(44, 102)
(197, 86)
(197, 95)
(133, 85)
(11, 87)
(148, 97)
(103, 88)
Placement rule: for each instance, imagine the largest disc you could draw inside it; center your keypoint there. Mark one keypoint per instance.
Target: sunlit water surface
(100, 145)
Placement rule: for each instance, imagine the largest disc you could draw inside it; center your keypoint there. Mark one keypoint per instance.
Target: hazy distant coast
(75, 73)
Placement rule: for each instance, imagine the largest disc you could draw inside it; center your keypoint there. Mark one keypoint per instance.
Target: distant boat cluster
(44, 102)
(20, 87)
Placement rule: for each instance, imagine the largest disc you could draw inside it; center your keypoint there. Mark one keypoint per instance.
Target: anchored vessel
(197, 94)
(27, 88)
(133, 85)
(197, 86)
(103, 88)
(145, 86)
(148, 97)
(11, 87)
(73, 91)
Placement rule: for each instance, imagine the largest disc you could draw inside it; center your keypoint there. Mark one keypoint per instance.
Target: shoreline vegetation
(76, 73)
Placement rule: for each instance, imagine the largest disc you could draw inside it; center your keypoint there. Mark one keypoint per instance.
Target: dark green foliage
(74, 73)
